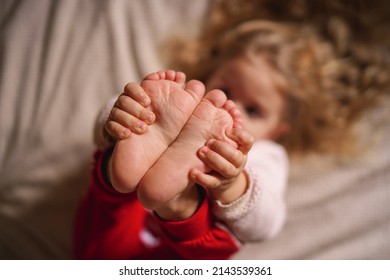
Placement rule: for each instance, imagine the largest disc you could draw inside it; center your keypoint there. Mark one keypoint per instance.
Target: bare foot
(169, 176)
(173, 102)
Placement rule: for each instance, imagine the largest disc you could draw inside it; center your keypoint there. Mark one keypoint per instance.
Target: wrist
(227, 194)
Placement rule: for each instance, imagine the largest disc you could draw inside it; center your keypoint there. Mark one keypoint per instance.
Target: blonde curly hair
(332, 71)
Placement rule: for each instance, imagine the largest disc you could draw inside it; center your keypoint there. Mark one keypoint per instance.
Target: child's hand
(227, 181)
(130, 113)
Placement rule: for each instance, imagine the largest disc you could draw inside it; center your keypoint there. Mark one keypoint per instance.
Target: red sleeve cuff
(197, 225)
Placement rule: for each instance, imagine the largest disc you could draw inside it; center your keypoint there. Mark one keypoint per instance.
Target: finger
(243, 138)
(217, 163)
(232, 109)
(228, 152)
(134, 108)
(117, 131)
(234, 112)
(137, 93)
(205, 180)
(126, 120)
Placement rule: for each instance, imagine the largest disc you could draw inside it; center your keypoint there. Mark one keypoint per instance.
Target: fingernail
(203, 150)
(194, 173)
(149, 117)
(144, 100)
(125, 133)
(238, 124)
(210, 142)
(140, 126)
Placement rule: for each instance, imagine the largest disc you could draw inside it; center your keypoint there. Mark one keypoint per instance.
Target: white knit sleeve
(260, 213)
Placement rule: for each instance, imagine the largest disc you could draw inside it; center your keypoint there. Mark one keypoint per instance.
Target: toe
(196, 88)
(153, 76)
(216, 97)
(180, 78)
(170, 75)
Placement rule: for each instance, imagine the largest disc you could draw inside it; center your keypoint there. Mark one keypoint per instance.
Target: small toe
(216, 97)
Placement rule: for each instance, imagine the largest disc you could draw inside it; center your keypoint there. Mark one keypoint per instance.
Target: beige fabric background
(59, 63)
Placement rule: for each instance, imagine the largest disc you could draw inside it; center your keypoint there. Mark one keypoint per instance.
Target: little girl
(291, 87)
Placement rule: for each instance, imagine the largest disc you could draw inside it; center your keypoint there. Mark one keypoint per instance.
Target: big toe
(196, 88)
(216, 97)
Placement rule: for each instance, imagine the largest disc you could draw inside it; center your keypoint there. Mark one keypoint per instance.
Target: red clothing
(112, 225)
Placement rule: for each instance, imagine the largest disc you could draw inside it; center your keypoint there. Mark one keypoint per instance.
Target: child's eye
(227, 92)
(253, 112)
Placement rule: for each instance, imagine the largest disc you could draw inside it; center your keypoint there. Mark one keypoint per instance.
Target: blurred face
(251, 85)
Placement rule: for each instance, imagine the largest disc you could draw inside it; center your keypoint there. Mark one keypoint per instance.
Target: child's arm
(260, 212)
(102, 220)
(111, 225)
(200, 236)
